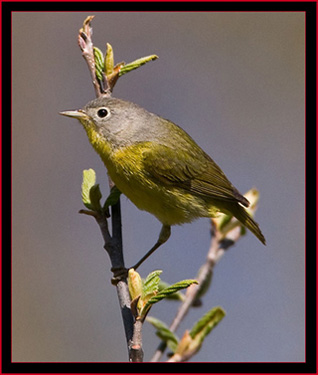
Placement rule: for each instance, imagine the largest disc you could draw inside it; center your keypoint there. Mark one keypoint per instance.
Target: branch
(112, 244)
(86, 45)
(104, 75)
(136, 348)
(214, 254)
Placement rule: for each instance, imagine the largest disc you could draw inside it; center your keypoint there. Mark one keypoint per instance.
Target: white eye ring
(103, 112)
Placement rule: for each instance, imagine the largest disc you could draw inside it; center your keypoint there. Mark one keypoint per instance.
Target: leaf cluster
(147, 292)
(191, 341)
(91, 194)
(104, 71)
(107, 71)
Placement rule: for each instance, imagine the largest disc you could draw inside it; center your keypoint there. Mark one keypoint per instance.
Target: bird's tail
(243, 216)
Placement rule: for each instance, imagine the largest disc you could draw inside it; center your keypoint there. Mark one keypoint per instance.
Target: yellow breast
(171, 205)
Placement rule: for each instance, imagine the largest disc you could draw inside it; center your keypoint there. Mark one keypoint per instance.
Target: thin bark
(112, 243)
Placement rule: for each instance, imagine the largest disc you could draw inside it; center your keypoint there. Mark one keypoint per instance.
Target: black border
(310, 365)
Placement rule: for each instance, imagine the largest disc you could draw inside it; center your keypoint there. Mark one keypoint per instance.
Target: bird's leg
(123, 272)
(163, 237)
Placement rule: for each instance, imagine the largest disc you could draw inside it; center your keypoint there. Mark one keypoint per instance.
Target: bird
(159, 167)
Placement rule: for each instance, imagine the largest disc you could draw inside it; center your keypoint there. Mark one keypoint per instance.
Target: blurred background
(235, 82)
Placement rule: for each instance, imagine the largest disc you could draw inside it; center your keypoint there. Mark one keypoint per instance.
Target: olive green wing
(191, 169)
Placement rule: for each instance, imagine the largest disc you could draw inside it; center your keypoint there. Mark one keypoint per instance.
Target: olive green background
(235, 82)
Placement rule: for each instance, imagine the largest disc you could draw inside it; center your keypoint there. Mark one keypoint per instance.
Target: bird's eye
(103, 112)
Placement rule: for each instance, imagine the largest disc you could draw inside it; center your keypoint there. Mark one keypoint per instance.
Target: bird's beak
(79, 114)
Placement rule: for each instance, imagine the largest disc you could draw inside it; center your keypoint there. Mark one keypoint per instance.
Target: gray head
(120, 122)
(124, 123)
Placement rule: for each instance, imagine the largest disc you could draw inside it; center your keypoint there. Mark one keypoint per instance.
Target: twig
(217, 248)
(112, 243)
(136, 348)
(86, 45)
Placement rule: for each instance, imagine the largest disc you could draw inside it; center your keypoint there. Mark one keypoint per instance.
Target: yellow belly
(171, 205)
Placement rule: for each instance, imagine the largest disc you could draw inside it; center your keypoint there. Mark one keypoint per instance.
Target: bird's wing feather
(192, 170)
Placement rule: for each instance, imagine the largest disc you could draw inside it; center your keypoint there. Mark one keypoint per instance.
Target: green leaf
(151, 284)
(177, 296)
(99, 63)
(136, 64)
(191, 342)
(150, 287)
(95, 196)
(175, 287)
(113, 197)
(208, 321)
(166, 292)
(164, 333)
(109, 60)
(134, 284)
(89, 179)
